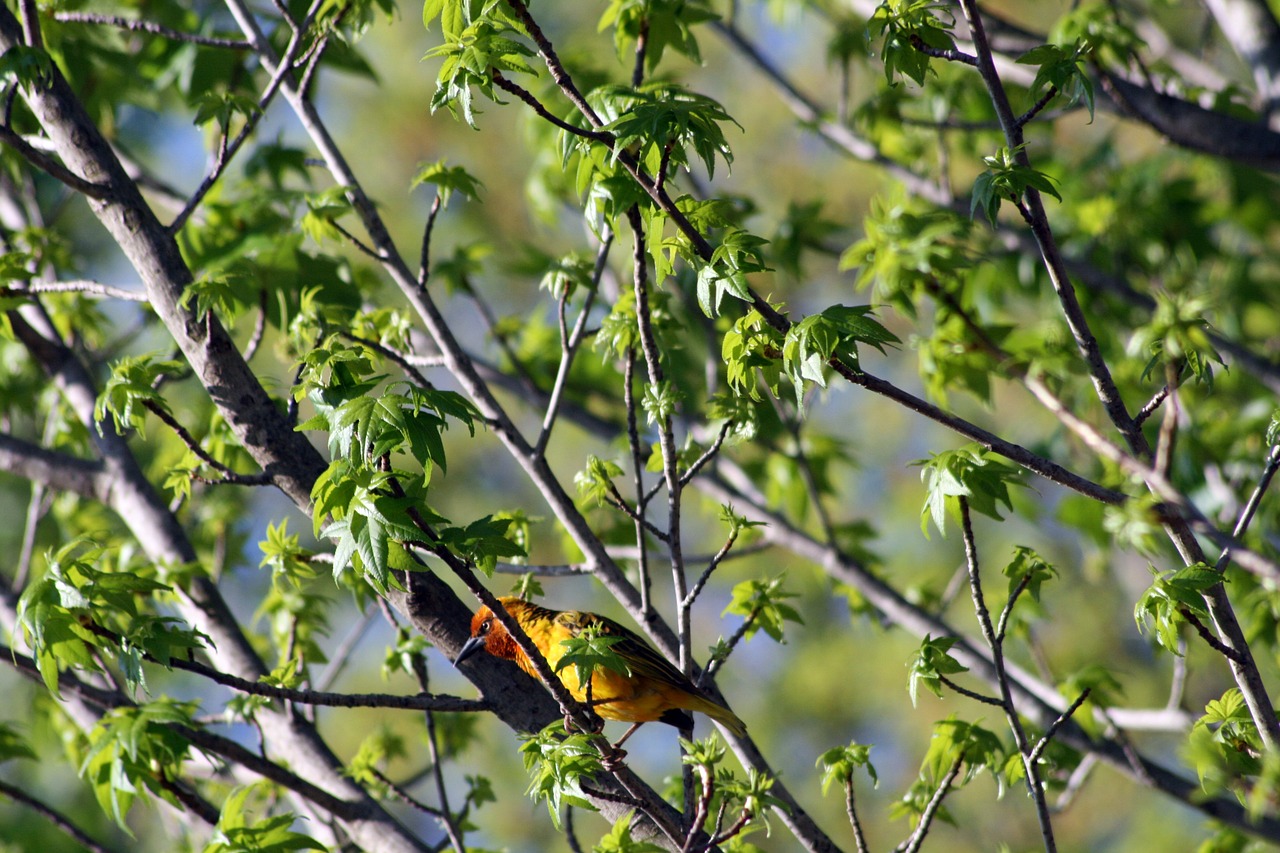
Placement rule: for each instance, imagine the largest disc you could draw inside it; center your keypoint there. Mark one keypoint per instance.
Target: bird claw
(594, 725)
(611, 758)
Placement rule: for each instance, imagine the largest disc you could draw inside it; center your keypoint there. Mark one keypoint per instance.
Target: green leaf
(660, 401)
(223, 107)
(132, 386)
(29, 67)
(896, 24)
(660, 121)
(763, 603)
(738, 254)
(591, 650)
(1063, 70)
(483, 541)
(447, 180)
(133, 751)
(969, 472)
(751, 351)
(1104, 689)
(236, 832)
(1172, 598)
(836, 332)
(931, 661)
(83, 590)
(218, 293)
(662, 24)
(324, 209)
(619, 840)
(1006, 179)
(909, 250)
(282, 553)
(595, 482)
(839, 763)
(1026, 563)
(471, 54)
(556, 764)
(1178, 335)
(955, 740)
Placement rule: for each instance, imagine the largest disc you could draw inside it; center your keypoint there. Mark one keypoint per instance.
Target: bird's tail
(722, 715)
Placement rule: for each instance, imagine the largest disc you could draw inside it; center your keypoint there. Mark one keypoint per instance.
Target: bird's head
(489, 634)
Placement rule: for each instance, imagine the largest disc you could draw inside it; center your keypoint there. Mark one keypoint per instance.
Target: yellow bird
(652, 689)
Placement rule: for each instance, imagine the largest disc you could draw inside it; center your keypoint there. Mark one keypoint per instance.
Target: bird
(652, 690)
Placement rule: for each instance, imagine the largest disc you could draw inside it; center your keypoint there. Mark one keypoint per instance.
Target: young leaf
(969, 472)
(933, 660)
(763, 604)
(839, 762)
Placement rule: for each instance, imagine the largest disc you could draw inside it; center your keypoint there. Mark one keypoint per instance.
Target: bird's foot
(611, 757)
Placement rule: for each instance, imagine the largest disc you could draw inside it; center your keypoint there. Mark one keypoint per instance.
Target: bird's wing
(640, 656)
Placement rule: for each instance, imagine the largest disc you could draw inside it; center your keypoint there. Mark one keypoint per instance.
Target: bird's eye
(484, 627)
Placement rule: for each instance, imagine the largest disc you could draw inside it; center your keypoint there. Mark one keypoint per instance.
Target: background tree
(299, 369)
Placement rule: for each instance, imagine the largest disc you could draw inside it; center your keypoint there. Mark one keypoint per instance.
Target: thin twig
(1035, 109)
(227, 150)
(569, 345)
(424, 262)
(49, 813)
(1151, 406)
(1168, 435)
(1210, 640)
(702, 806)
(51, 166)
(363, 247)
(1043, 743)
(707, 455)
(500, 337)
(931, 808)
(615, 498)
(859, 839)
(402, 793)
(1251, 505)
(554, 65)
(972, 694)
(666, 435)
(394, 355)
(451, 826)
(732, 643)
(712, 564)
(441, 702)
(259, 327)
(341, 656)
(152, 28)
(1003, 625)
(792, 424)
(637, 473)
(949, 54)
(228, 475)
(316, 52)
(1034, 785)
(546, 115)
(570, 834)
(81, 286)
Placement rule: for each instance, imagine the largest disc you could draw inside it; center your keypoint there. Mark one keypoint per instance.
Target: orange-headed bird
(652, 690)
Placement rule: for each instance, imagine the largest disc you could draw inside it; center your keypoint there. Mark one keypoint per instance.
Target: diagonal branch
(54, 470)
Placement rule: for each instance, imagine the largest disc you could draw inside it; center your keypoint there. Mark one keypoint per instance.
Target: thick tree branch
(54, 470)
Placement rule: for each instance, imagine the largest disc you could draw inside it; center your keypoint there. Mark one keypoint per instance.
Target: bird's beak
(469, 648)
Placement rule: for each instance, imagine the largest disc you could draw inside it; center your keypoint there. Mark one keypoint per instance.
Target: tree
(320, 421)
